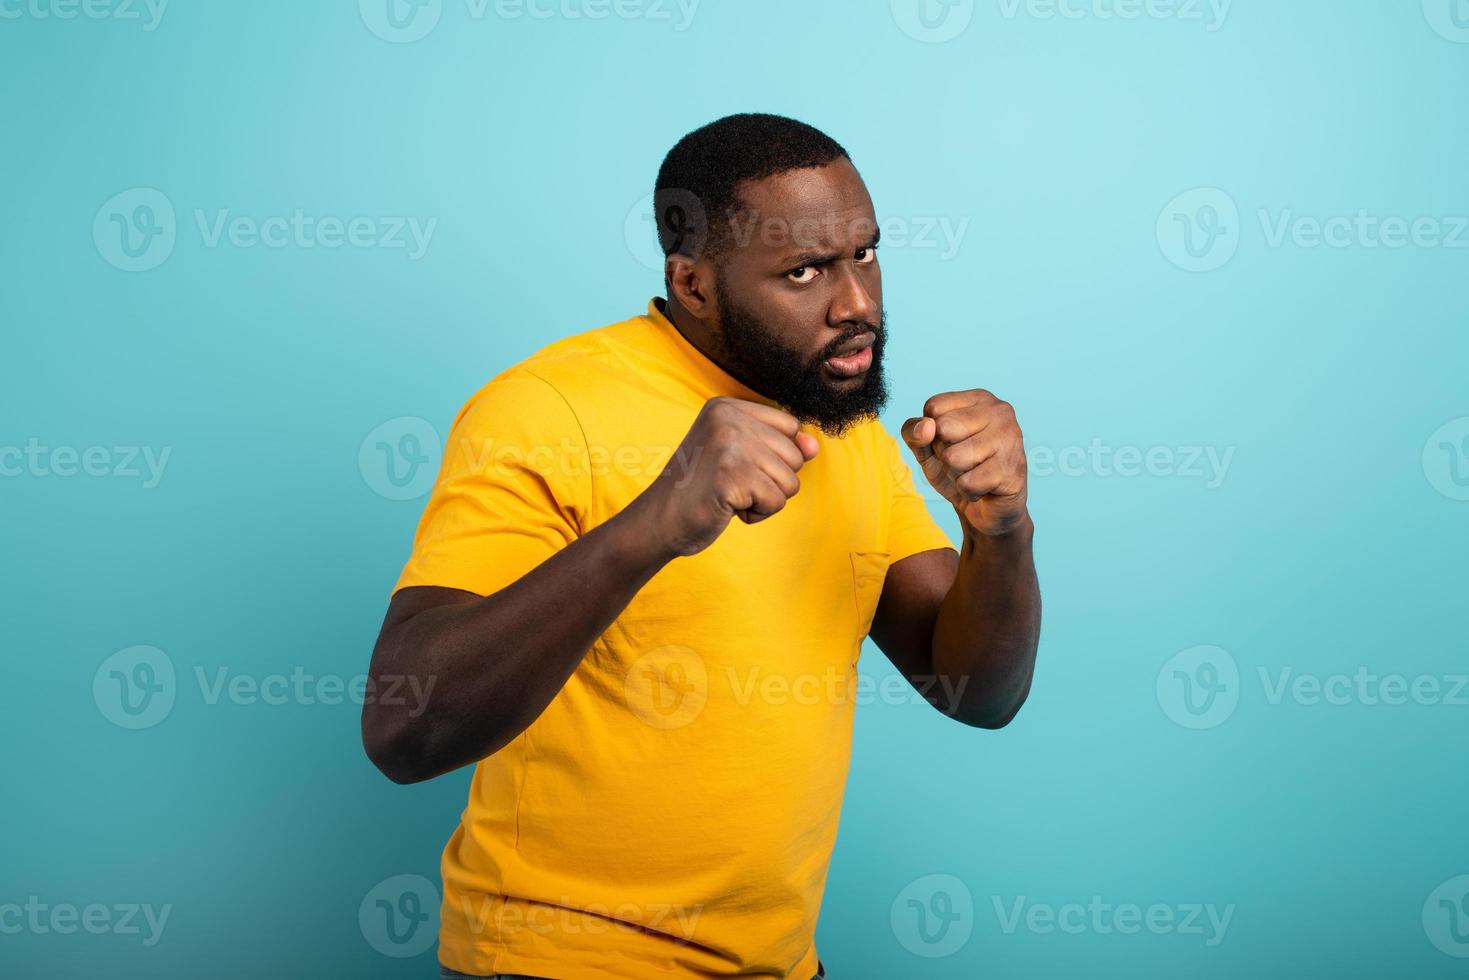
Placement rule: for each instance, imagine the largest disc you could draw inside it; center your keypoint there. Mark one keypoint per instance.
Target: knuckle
(729, 457)
(723, 409)
(724, 438)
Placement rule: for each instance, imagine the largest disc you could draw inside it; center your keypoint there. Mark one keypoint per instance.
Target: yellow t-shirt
(673, 810)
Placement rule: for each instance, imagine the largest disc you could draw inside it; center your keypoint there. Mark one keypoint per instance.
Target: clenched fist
(739, 459)
(972, 452)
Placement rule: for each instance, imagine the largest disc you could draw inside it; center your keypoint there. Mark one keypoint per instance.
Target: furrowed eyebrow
(804, 259)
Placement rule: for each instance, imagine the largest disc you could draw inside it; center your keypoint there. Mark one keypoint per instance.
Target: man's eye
(803, 274)
(866, 256)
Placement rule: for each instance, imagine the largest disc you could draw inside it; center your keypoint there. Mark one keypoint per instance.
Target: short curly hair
(697, 192)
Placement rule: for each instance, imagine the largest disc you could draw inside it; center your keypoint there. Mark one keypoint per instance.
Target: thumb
(918, 434)
(808, 445)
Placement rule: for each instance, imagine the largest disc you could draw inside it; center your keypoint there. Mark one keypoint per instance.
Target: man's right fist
(739, 459)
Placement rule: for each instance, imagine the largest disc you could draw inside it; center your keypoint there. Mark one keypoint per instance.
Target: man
(659, 698)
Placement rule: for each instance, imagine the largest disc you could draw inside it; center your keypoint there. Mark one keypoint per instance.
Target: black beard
(800, 387)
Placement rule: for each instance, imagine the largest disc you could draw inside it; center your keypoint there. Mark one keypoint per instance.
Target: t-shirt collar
(708, 374)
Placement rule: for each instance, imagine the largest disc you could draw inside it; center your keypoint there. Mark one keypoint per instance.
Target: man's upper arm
(513, 489)
(924, 562)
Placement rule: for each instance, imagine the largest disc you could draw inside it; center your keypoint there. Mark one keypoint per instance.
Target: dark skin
(969, 620)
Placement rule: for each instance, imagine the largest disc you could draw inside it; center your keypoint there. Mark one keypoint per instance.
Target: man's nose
(852, 302)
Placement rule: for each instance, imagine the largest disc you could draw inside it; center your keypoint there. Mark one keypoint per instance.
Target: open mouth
(854, 357)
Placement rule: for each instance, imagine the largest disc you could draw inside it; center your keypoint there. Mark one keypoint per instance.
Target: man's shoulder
(564, 374)
(580, 360)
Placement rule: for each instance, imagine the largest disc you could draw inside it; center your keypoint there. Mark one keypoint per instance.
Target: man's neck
(695, 331)
(702, 337)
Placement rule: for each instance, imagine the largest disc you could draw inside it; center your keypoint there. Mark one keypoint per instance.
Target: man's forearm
(496, 662)
(985, 636)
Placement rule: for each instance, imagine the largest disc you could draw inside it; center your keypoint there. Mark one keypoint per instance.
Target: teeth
(852, 352)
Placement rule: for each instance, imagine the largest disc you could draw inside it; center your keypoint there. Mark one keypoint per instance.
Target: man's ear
(691, 284)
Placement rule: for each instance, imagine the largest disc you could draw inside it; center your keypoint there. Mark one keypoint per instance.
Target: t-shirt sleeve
(512, 490)
(911, 526)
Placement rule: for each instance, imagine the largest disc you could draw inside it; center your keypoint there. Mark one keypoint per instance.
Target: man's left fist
(971, 450)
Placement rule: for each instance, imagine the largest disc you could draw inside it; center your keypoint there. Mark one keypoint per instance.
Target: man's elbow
(991, 716)
(396, 752)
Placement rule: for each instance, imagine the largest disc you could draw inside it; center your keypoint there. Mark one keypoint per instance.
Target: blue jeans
(445, 972)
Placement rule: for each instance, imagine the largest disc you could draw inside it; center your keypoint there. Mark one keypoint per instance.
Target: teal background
(1334, 542)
